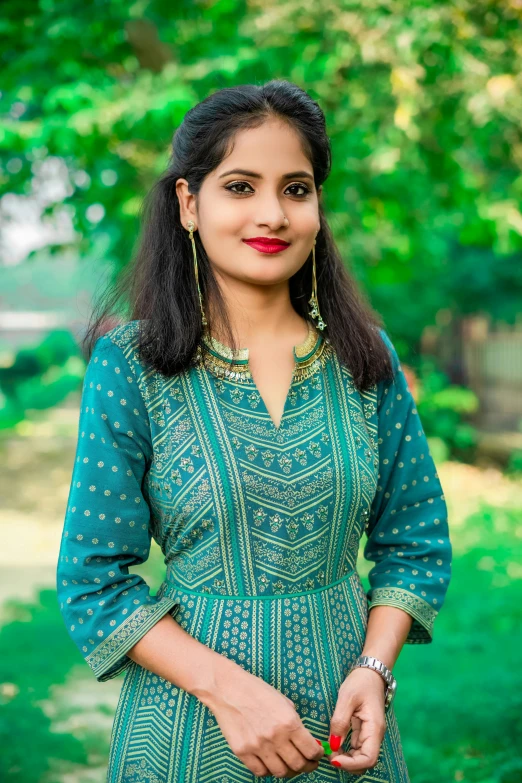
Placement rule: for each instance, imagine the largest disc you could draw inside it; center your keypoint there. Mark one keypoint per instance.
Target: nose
(269, 212)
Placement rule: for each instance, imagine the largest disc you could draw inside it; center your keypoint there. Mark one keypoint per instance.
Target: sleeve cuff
(110, 657)
(421, 631)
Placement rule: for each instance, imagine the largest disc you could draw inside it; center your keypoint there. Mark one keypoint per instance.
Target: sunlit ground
(458, 703)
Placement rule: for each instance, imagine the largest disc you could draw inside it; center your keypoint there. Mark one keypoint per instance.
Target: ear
(186, 202)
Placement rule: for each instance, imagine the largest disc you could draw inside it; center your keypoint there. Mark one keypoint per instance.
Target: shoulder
(116, 351)
(396, 364)
(396, 380)
(121, 342)
(123, 336)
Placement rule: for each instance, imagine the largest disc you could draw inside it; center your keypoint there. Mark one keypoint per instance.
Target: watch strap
(370, 662)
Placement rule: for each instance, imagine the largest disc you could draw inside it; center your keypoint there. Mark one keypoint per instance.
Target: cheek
(304, 220)
(305, 230)
(224, 223)
(221, 230)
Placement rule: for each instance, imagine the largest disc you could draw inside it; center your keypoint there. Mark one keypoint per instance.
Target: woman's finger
(371, 735)
(276, 764)
(354, 762)
(294, 759)
(366, 754)
(355, 736)
(307, 745)
(255, 765)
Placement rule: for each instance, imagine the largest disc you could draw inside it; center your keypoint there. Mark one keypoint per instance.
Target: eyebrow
(246, 173)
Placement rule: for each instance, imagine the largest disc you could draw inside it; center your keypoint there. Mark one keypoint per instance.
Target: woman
(253, 417)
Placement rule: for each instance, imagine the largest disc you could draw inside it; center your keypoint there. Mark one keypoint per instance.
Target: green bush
(444, 408)
(515, 462)
(40, 377)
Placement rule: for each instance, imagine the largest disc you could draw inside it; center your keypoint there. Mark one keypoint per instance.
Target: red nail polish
(335, 742)
(319, 741)
(336, 763)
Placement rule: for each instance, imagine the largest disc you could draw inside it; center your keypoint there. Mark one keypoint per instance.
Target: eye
(236, 185)
(233, 185)
(300, 185)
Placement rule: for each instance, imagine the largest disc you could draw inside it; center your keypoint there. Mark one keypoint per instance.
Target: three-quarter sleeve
(408, 535)
(107, 522)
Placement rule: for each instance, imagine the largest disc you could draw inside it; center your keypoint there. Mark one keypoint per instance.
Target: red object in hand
(335, 742)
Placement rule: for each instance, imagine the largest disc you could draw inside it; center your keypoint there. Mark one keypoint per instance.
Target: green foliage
(55, 349)
(424, 109)
(10, 412)
(439, 449)
(456, 398)
(515, 463)
(37, 656)
(52, 387)
(423, 105)
(39, 377)
(443, 408)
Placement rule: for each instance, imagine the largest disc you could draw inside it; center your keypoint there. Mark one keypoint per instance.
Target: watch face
(390, 693)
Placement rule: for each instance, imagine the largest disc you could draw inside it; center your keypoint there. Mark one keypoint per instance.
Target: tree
(423, 105)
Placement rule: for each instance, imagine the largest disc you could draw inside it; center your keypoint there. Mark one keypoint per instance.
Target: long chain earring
(190, 226)
(314, 312)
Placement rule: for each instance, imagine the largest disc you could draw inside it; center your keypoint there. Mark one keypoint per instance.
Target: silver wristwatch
(369, 662)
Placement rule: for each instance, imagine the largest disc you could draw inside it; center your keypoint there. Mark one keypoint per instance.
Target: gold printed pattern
(423, 614)
(260, 529)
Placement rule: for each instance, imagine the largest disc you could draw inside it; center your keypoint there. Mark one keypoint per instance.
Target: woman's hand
(262, 726)
(360, 703)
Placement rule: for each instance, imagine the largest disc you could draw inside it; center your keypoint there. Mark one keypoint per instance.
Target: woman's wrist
(380, 668)
(388, 627)
(169, 651)
(370, 675)
(220, 677)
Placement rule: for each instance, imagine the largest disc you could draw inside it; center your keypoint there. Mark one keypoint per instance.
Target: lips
(267, 245)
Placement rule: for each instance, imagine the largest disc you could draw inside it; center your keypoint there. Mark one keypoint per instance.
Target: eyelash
(293, 185)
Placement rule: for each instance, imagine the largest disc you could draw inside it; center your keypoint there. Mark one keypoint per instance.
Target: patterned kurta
(260, 529)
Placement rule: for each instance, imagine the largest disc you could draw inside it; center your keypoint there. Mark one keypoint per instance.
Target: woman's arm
(361, 696)
(107, 529)
(388, 628)
(203, 672)
(408, 541)
(170, 652)
(259, 723)
(408, 534)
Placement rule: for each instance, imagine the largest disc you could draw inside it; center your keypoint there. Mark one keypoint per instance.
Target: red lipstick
(267, 244)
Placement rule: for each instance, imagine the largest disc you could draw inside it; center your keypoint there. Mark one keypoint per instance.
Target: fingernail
(335, 742)
(319, 741)
(336, 763)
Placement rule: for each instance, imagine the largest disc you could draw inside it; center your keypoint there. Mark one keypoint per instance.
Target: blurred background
(423, 103)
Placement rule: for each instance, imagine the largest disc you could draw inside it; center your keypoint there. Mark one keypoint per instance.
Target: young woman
(251, 415)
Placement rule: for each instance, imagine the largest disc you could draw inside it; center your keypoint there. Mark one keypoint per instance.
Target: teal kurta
(260, 529)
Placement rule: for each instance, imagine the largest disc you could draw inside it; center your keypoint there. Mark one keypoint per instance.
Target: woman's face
(234, 206)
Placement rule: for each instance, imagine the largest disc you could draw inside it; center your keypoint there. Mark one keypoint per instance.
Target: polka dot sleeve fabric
(107, 610)
(408, 536)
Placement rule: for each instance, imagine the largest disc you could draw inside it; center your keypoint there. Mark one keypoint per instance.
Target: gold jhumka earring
(314, 312)
(190, 226)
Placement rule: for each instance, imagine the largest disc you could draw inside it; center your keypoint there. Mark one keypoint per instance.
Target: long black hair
(158, 287)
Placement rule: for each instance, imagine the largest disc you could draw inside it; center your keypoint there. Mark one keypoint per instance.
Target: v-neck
(234, 364)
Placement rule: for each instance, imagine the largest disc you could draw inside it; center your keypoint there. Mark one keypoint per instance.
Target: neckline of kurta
(302, 351)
